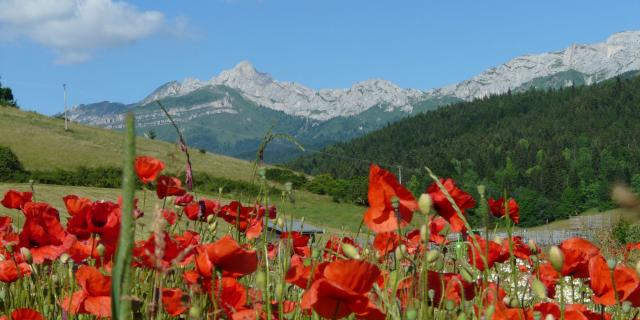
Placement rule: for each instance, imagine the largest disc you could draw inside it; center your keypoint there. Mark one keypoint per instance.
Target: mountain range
(231, 112)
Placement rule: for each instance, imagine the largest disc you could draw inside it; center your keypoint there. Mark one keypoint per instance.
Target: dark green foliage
(625, 232)
(557, 151)
(352, 190)
(6, 97)
(209, 184)
(100, 177)
(285, 175)
(10, 167)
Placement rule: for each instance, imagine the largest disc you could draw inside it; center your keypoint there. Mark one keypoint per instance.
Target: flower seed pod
(539, 289)
(411, 314)
(26, 254)
(433, 255)
(195, 312)
(395, 202)
(350, 251)
(424, 203)
(611, 263)
(556, 258)
(100, 248)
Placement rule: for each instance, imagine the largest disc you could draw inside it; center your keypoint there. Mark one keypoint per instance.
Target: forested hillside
(557, 152)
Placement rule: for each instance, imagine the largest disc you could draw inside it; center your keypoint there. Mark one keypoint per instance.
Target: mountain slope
(555, 151)
(221, 113)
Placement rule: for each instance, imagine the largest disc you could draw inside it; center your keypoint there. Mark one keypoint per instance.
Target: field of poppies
(210, 260)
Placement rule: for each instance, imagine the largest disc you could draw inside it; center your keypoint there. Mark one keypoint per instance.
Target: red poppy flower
(600, 280)
(80, 250)
(42, 233)
(15, 199)
(477, 252)
(173, 301)
(148, 168)
(299, 273)
(24, 314)
(299, 243)
(76, 205)
(437, 226)
(169, 216)
(248, 220)
(168, 187)
(183, 200)
(577, 253)
(178, 250)
(571, 312)
(549, 277)
(10, 271)
(381, 217)
(386, 242)
(440, 202)
(448, 286)
(521, 250)
(202, 209)
(226, 255)
(6, 224)
(498, 209)
(95, 294)
(342, 290)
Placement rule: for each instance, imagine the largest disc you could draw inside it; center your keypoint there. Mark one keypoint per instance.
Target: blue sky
(321, 44)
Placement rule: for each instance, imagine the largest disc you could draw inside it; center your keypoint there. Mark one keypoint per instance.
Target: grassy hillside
(41, 143)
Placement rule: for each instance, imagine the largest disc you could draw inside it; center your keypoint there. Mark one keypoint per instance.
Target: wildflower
(95, 295)
(386, 242)
(477, 252)
(444, 208)
(577, 252)
(381, 216)
(169, 186)
(226, 255)
(24, 314)
(173, 301)
(602, 284)
(15, 199)
(497, 208)
(42, 233)
(148, 168)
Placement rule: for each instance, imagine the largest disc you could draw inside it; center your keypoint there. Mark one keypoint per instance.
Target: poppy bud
(549, 317)
(462, 316)
(210, 218)
(556, 258)
(262, 172)
(537, 315)
(514, 302)
(611, 263)
(638, 267)
(449, 304)
(395, 202)
(220, 189)
(532, 245)
(497, 239)
(315, 253)
(100, 248)
(194, 312)
(280, 222)
(261, 279)
(26, 253)
(433, 255)
(481, 189)
(626, 306)
(539, 289)
(425, 203)
(411, 314)
(212, 227)
(466, 274)
(64, 258)
(398, 253)
(350, 251)
(460, 249)
(424, 233)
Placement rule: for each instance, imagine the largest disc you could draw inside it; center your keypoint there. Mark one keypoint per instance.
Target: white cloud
(75, 29)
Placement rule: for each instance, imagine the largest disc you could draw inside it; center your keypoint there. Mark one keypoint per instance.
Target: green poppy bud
(350, 251)
(433, 255)
(100, 248)
(26, 253)
(261, 279)
(556, 258)
(425, 203)
(195, 312)
(395, 202)
(424, 233)
(411, 314)
(539, 289)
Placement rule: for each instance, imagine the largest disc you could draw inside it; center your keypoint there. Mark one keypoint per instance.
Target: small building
(293, 226)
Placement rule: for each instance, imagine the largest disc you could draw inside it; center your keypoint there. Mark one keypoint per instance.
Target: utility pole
(66, 126)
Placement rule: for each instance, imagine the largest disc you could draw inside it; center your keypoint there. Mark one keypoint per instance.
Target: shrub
(10, 166)
(624, 232)
(284, 176)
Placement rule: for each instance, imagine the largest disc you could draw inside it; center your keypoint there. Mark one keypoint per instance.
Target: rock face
(245, 97)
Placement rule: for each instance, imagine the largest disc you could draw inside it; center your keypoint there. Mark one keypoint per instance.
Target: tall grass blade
(121, 281)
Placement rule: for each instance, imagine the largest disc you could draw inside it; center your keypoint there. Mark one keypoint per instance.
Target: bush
(624, 232)
(209, 184)
(284, 176)
(99, 177)
(10, 167)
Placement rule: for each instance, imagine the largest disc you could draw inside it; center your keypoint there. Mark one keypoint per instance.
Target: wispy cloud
(75, 29)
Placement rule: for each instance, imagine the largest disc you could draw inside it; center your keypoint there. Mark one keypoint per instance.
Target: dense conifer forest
(556, 151)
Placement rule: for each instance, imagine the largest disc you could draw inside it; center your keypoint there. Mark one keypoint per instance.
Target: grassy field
(40, 142)
(317, 210)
